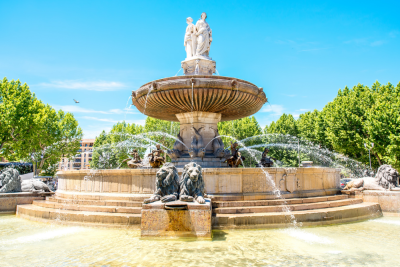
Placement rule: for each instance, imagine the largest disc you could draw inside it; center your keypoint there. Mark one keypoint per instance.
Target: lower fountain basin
(220, 183)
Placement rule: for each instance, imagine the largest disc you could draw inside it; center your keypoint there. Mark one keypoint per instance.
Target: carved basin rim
(233, 98)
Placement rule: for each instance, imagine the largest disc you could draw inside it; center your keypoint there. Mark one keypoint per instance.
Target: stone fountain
(232, 198)
(198, 100)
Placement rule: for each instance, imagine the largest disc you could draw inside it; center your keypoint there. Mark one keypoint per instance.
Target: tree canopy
(357, 116)
(33, 131)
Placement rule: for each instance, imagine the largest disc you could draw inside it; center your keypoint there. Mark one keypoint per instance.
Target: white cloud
(378, 43)
(99, 119)
(94, 132)
(303, 109)
(78, 109)
(140, 122)
(274, 109)
(295, 115)
(91, 86)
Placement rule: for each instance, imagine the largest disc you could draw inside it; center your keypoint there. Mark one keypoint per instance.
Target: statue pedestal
(205, 122)
(198, 130)
(198, 66)
(176, 219)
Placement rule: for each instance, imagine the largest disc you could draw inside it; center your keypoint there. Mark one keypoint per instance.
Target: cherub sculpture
(135, 161)
(236, 158)
(157, 157)
(265, 159)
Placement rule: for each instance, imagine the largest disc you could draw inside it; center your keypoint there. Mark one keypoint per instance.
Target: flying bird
(76, 101)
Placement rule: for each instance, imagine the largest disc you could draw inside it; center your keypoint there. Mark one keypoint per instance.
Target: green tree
(240, 129)
(286, 124)
(18, 113)
(36, 131)
(311, 126)
(345, 117)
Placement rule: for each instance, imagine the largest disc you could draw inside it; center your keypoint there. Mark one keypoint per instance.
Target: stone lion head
(167, 175)
(387, 176)
(191, 182)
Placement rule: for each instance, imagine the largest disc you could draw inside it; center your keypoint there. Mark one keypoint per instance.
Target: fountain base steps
(124, 210)
(314, 217)
(60, 216)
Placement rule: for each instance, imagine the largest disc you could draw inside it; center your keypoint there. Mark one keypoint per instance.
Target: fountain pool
(27, 243)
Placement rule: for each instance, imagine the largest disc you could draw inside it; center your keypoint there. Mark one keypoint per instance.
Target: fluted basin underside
(233, 98)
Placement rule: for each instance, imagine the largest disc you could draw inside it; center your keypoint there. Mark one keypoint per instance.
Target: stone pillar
(206, 123)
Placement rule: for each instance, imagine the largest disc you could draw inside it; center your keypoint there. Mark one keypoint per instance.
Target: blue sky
(300, 52)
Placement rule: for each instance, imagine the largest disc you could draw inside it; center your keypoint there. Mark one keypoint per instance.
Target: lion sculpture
(10, 182)
(167, 185)
(33, 185)
(192, 184)
(385, 179)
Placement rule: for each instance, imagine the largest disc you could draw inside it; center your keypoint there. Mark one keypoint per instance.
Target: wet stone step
(282, 208)
(290, 201)
(96, 202)
(342, 214)
(83, 217)
(110, 209)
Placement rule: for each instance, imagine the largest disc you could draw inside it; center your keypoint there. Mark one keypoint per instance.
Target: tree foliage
(357, 116)
(33, 131)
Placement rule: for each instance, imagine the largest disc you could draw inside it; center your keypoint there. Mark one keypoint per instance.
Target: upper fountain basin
(233, 98)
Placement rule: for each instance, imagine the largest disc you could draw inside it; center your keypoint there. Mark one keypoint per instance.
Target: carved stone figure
(176, 152)
(190, 38)
(265, 160)
(235, 159)
(385, 178)
(218, 145)
(204, 37)
(33, 185)
(135, 161)
(197, 146)
(156, 157)
(167, 185)
(10, 181)
(192, 183)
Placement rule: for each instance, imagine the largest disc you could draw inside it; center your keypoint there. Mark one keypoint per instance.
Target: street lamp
(369, 153)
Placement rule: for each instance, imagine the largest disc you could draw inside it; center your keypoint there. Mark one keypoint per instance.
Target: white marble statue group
(198, 38)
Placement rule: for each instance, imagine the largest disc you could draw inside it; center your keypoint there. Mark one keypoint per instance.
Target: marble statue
(235, 159)
(265, 159)
(198, 38)
(204, 37)
(167, 185)
(10, 182)
(385, 179)
(135, 161)
(190, 38)
(156, 157)
(192, 184)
